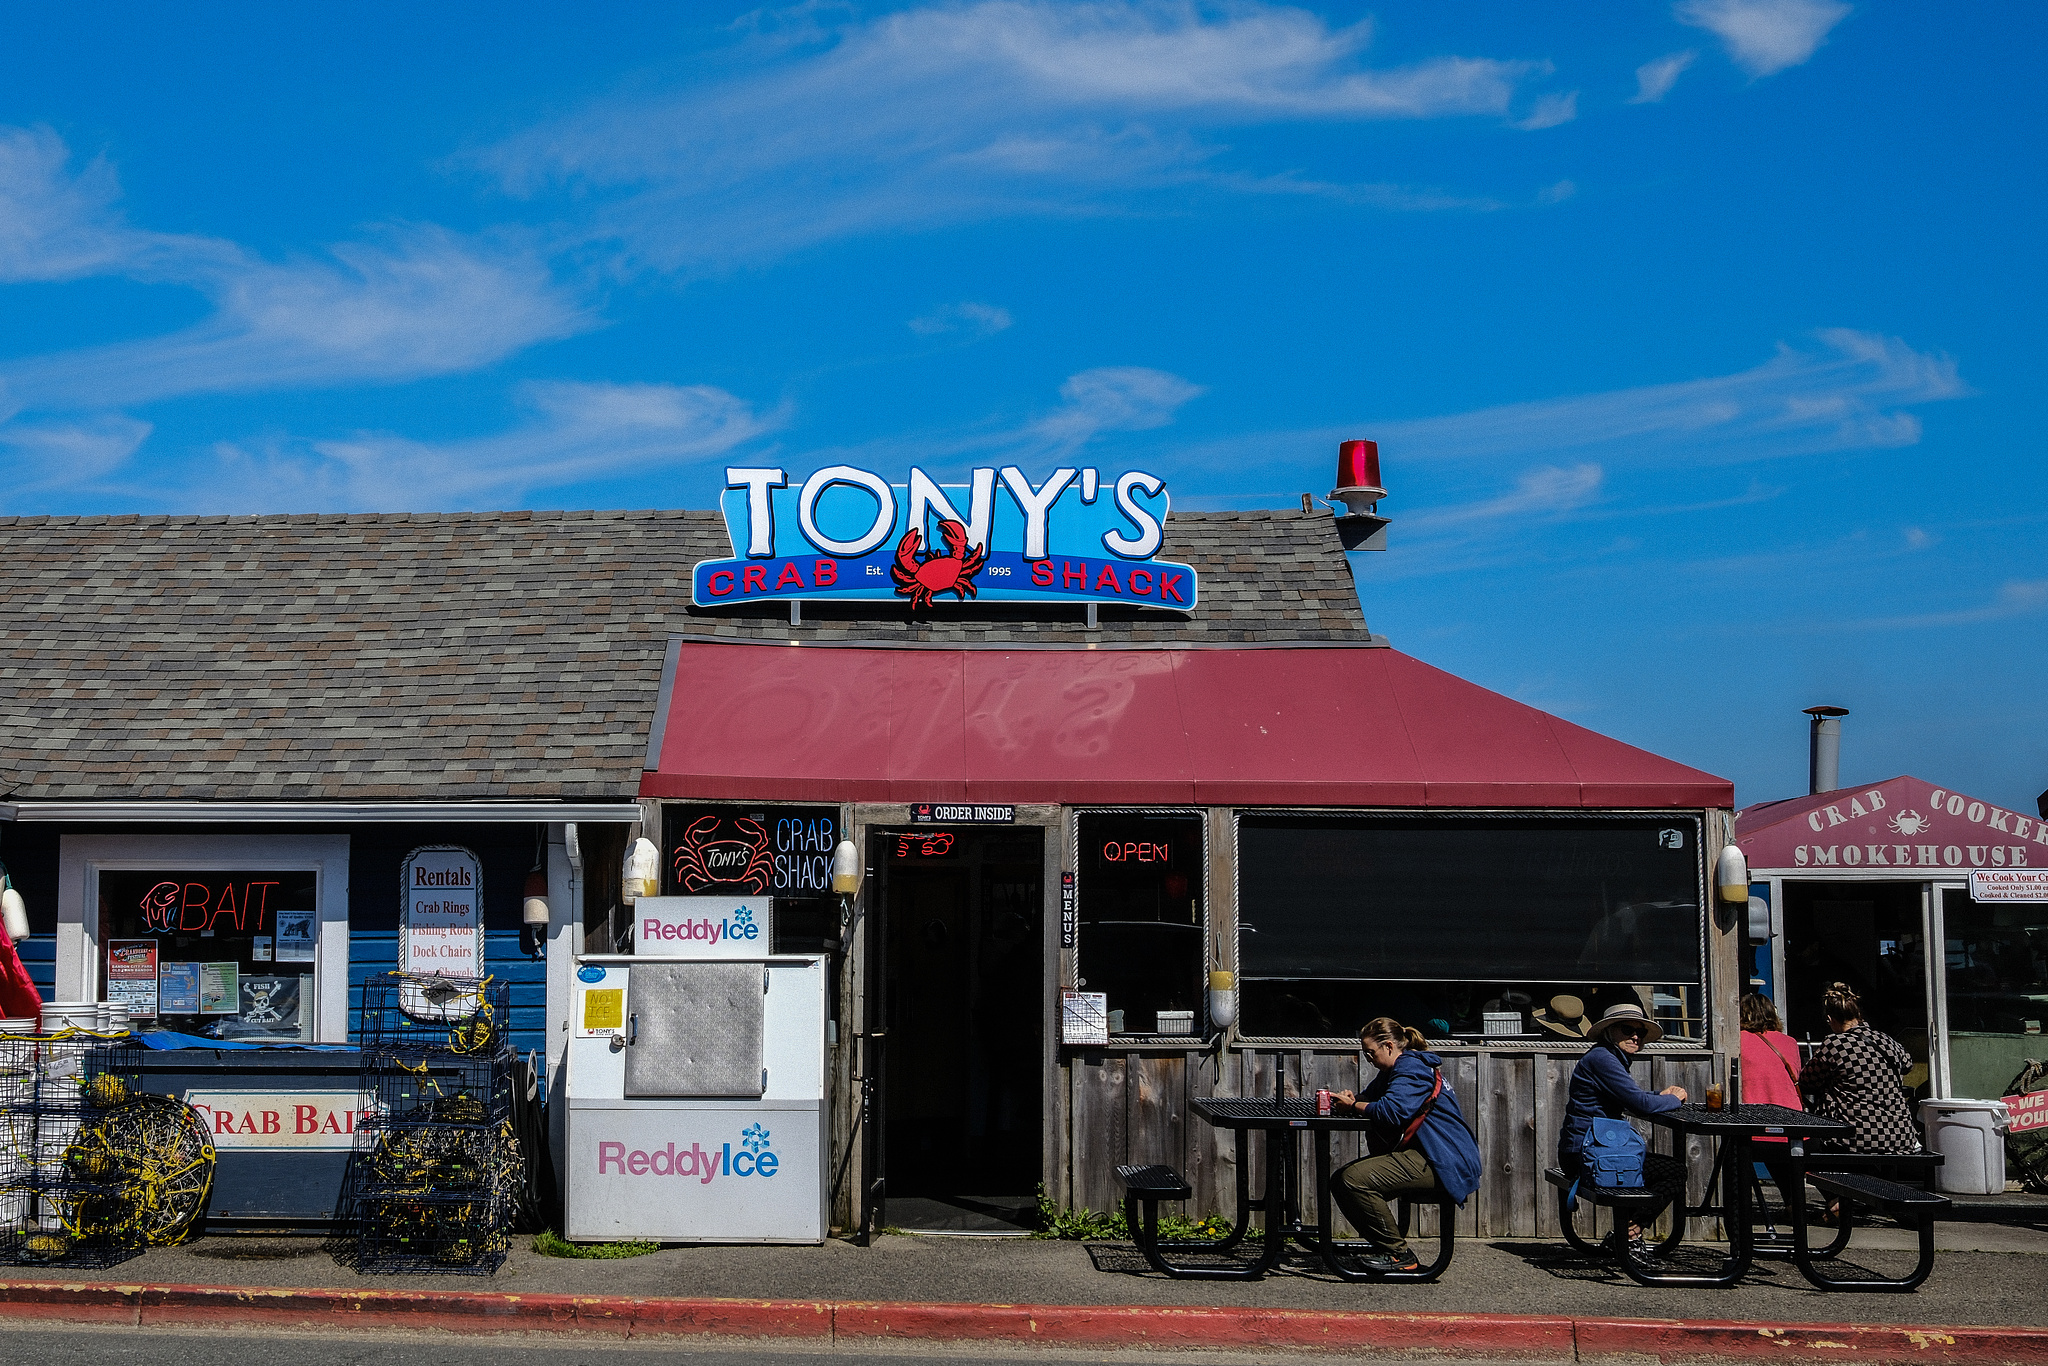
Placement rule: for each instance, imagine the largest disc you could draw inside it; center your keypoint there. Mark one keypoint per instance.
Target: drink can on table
(1322, 1102)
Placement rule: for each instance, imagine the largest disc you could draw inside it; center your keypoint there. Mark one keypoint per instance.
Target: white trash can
(1970, 1136)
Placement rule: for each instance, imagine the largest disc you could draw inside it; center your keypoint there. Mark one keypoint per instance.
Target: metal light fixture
(642, 871)
(1222, 999)
(846, 869)
(13, 910)
(1731, 875)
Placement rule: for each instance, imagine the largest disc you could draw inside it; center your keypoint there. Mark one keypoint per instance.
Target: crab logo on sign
(847, 533)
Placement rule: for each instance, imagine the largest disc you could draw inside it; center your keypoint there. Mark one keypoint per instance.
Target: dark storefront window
(1870, 935)
(784, 852)
(228, 955)
(1997, 963)
(1441, 921)
(1140, 905)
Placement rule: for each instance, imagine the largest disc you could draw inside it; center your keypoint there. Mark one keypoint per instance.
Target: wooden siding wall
(1132, 1107)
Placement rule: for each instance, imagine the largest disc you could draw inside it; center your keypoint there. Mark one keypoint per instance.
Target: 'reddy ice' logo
(754, 1158)
(740, 926)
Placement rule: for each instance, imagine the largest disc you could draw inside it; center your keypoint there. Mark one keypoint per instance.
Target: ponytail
(1384, 1029)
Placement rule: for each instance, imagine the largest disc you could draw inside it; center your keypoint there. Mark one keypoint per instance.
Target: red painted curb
(1527, 1338)
(1680, 1340)
(1522, 1337)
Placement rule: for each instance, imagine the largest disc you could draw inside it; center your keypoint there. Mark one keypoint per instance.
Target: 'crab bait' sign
(847, 533)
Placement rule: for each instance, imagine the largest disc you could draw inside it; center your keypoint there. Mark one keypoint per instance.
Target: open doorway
(1870, 935)
(956, 975)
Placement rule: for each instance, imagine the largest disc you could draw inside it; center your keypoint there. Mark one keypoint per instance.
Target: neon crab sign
(847, 534)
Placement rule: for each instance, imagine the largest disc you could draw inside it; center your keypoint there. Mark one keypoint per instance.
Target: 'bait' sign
(847, 533)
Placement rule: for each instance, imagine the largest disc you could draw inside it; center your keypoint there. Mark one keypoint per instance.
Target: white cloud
(1655, 79)
(401, 304)
(1764, 37)
(1550, 111)
(2014, 598)
(1545, 489)
(1126, 398)
(980, 320)
(1919, 538)
(1842, 396)
(575, 432)
(39, 457)
(956, 112)
(56, 225)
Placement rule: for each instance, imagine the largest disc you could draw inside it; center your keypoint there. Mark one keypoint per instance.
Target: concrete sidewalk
(1537, 1278)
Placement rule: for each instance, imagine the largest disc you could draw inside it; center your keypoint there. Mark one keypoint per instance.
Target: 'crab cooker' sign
(1899, 823)
(848, 533)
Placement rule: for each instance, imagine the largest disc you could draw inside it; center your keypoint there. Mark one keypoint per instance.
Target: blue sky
(1700, 342)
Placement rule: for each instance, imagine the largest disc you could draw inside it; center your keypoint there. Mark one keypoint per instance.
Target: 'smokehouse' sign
(847, 533)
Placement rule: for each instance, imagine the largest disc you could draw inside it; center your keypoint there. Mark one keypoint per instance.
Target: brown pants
(1360, 1189)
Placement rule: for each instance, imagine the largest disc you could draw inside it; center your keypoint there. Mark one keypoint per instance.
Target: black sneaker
(1382, 1264)
(1635, 1249)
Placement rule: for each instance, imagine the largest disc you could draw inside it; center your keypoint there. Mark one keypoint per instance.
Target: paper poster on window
(1084, 1017)
(131, 976)
(220, 989)
(440, 932)
(178, 989)
(295, 936)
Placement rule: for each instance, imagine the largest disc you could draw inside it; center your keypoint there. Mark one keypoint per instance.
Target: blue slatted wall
(374, 951)
(39, 956)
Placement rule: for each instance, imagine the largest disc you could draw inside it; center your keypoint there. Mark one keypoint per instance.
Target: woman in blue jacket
(1440, 1152)
(1603, 1089)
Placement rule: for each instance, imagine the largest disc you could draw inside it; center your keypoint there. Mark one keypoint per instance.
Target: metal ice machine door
(696, 1029)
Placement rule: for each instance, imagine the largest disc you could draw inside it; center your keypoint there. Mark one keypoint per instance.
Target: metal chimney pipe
(1824, 750)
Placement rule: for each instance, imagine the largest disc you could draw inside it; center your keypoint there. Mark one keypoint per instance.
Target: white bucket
(62, 1015)
(1970, 1136)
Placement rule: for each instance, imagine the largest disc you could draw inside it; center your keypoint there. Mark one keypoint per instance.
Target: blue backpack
(1615, 1153)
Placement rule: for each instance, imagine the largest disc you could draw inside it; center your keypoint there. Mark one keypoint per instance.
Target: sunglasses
(1633, 1031)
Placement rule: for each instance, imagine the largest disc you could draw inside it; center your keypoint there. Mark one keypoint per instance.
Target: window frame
(82, 858)
(1695, 817)
(1208, 916)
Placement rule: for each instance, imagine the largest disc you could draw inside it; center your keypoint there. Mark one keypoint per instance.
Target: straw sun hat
(1625, 1013)
(1564, 1015)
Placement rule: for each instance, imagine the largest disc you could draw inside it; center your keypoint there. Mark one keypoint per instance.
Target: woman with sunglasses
(1603, 1089)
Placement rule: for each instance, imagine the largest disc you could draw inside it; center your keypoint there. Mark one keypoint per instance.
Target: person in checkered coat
(1856, 1076)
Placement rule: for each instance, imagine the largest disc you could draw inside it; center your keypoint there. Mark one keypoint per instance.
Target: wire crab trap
(458, 1233)
(405, 1014)
(91, 1169)
(438, 1089)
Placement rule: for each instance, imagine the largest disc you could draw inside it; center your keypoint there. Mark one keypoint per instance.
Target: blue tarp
(171, 1039)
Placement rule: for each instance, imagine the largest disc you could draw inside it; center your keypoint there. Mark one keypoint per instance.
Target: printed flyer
(179, 989)
(220, 991)
(131, 976)
(294, 936)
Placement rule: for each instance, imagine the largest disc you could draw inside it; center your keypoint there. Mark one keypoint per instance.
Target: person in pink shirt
(1770, 1076)
(1770, 1057)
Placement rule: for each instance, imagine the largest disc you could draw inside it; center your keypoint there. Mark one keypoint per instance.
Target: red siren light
(1358, 475)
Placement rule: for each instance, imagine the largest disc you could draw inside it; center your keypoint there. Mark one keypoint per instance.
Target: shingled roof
(467, 655)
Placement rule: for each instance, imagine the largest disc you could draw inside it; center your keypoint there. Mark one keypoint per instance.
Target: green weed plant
(547, 1244)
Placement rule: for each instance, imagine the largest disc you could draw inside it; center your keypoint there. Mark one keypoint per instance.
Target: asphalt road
(107, 1346)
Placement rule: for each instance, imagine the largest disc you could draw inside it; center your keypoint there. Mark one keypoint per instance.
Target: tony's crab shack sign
(846, 533)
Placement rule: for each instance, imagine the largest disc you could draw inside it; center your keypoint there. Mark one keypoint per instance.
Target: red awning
(1222, 727)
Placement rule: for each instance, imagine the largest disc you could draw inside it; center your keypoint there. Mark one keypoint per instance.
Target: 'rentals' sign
(846, 533)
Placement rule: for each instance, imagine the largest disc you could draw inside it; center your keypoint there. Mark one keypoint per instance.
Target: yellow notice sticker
(604, 1009)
